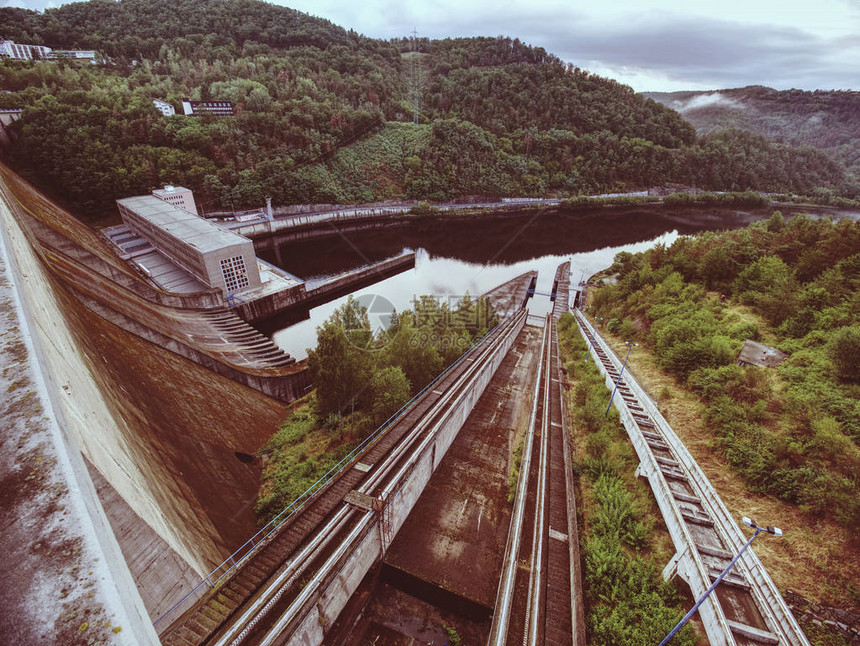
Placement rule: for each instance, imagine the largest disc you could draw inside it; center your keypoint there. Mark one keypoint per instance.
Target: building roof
(170, 189)
(758, 354)
(201, 234)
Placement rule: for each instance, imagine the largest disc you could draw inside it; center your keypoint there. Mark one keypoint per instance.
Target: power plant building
(215, 256)
(178, 196)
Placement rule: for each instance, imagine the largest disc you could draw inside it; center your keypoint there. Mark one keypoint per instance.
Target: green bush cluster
(354, 367)
(745, 199)
(791, 432)
(586, 202)
(290, 470)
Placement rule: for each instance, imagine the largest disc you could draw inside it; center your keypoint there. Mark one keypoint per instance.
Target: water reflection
(458, 256)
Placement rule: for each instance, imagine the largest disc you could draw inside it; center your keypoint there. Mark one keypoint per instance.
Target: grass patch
(516, 461)
(302, 451)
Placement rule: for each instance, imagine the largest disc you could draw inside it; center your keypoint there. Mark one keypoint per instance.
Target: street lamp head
(631, 344)
(770, 529)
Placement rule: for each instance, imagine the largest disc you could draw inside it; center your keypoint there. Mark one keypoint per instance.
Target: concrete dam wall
(162, 436)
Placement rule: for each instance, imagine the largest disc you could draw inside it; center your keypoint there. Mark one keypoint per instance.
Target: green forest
(793, 431)
(323, 114)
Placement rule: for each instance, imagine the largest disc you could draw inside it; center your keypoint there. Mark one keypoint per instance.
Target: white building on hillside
(10, 49)
(164, 107)
(75, 53)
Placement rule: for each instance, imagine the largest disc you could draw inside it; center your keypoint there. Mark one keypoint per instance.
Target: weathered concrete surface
(395, 618)
(160, 574)
(509, 297)
(161, 429)
(561, 286)
(64, 579)
(455, 536)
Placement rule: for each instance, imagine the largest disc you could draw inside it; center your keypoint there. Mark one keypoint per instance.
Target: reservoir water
(456, 256)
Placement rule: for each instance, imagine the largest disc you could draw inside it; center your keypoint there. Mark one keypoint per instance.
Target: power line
(416, 78)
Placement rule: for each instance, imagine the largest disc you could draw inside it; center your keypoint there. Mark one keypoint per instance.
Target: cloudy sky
(658, 45)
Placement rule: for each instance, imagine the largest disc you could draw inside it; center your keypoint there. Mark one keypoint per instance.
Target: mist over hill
(825, 119)
(323, 114)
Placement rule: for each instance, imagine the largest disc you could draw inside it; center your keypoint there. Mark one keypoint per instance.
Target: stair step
(713, 551)
(674, 474)
(732, 579)
(696, 520)
(756, 634)
(657, 444)
(686, 498)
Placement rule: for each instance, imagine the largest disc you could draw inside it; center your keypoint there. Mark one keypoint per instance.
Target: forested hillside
(792, 432)
(825, 119)
(324, 115)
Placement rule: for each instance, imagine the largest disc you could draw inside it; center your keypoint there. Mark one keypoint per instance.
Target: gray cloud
(713, 53)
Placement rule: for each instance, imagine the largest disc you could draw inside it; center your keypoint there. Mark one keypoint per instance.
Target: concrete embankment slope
(168, 441)
(64, 577)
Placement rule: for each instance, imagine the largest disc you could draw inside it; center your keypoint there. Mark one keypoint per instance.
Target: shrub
(617, 515)
(744, 385)
(844, 352)
(744, 331)
(424, 208)
(391, 391)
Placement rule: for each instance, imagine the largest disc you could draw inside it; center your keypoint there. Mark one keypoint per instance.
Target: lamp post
(617, 381)
(774, 531)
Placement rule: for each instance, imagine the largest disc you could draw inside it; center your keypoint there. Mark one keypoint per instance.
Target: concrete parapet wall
(268, 235)
(285, 388)
(262, 308)
(353, 279)
(321, 612)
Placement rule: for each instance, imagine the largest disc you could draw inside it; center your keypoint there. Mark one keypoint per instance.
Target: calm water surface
(456, 257)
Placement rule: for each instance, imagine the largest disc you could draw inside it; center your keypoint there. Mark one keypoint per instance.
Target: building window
(233, 270)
